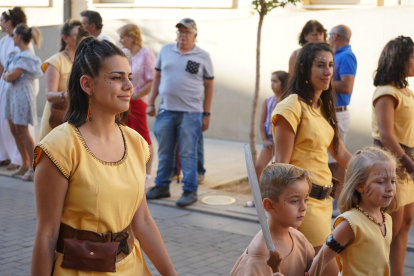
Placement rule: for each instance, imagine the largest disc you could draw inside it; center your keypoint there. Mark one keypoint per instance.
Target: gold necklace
(374, 219)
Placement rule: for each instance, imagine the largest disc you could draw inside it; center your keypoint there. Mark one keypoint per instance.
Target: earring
(120, 115)
(310, 101)
(89, 117)
(306, 81)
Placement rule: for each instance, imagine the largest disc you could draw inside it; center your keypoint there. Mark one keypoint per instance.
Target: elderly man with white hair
(343, 83)
(184, 81)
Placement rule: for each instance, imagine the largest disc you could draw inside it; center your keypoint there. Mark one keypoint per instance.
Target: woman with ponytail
(21, 71)
(57, 69)
(305, 129)
(90, 177)
(9, 153)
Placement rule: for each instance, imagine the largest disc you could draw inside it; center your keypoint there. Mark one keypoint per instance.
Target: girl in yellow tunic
(57, 70)
(90, 172)
(362, 236)
(393, 129)
(304, 130)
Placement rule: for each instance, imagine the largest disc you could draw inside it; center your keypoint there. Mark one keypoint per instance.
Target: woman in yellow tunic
(393, 129)
(57, 70)
(90, 173)
(304, 130)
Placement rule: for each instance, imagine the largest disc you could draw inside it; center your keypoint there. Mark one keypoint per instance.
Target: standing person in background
(313, 31)
(393, 129)
(9, 153)
(142, 62)
(345, 68)
(20, 108)
(57, 69)
(184, 81)
(92, 21)
(305, 129)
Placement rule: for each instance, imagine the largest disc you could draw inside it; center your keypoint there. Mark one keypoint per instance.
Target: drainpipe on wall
(67, 10)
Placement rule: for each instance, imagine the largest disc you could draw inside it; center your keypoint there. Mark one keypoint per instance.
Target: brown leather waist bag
(400, 171)
(87, 250)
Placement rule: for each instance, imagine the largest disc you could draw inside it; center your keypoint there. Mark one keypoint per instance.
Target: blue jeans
(184, 129)
(200, 157)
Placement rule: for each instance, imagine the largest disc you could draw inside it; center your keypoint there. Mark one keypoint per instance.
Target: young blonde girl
(362, 234)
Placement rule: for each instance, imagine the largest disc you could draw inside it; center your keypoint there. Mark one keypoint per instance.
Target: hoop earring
(120, 116)
(89, 117)
(306, 81)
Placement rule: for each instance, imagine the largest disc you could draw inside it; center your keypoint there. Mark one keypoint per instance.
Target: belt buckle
(326, 191)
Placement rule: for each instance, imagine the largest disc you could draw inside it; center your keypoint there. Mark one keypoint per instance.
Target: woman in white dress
(9, 154)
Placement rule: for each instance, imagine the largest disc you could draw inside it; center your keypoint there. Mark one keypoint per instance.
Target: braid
(89, 58)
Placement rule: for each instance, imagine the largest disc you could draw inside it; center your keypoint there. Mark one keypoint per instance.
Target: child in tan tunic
(284, 189)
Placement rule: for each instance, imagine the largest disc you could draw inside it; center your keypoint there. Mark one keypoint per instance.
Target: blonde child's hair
(129, 30)
(358, 171)
(276, 178)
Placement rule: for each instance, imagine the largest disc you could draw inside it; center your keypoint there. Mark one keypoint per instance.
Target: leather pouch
(91, 256)
(57, 112)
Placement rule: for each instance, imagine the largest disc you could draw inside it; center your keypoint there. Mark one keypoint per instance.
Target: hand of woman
(268, 144)
(151, 110)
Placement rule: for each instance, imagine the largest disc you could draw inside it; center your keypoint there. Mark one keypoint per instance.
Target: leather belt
(341, 108)
(320, 192)
(125, 239)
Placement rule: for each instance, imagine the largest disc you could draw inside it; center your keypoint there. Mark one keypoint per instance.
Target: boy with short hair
(284, 189)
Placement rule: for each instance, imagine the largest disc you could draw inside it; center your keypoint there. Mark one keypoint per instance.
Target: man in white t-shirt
(92, 21)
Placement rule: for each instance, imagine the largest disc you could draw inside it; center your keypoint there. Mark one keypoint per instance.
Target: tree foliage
(263, 7)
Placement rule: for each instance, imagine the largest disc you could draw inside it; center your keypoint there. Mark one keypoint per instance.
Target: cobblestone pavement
(198, 244)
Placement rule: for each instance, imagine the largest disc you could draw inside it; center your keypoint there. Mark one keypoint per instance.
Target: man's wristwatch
(206, 113)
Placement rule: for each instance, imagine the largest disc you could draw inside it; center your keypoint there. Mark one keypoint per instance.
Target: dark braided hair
(393, 62)
(16, 15)
(300, 84)
(89, 58)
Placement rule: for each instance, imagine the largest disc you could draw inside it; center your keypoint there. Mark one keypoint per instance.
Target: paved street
(199, 244)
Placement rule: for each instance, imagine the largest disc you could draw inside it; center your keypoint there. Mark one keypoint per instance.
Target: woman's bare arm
(344, 235)
(284, 140)
(343, 156)
(50, 191)
(52, 77)
(146, 231)
(384, 109)
(262, 121)
(13, 75)
(143, 92)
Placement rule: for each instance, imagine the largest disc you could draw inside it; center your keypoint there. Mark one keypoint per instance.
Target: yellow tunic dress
(310, 153)
(101, 195)
(368, 254)
(64, 66)
(403, 130)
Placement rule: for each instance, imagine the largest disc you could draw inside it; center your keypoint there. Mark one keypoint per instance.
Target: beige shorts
(344, 119)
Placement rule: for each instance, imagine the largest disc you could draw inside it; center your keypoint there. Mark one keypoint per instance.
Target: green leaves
(265, 6)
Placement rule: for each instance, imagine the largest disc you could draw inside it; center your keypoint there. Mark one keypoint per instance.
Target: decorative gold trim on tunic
(120, 162)
(149, 155)
(50, 156)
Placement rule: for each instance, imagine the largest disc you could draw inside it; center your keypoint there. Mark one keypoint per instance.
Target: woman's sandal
(12, 167)
(20, 171)
(4, 163)
(29, 175)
